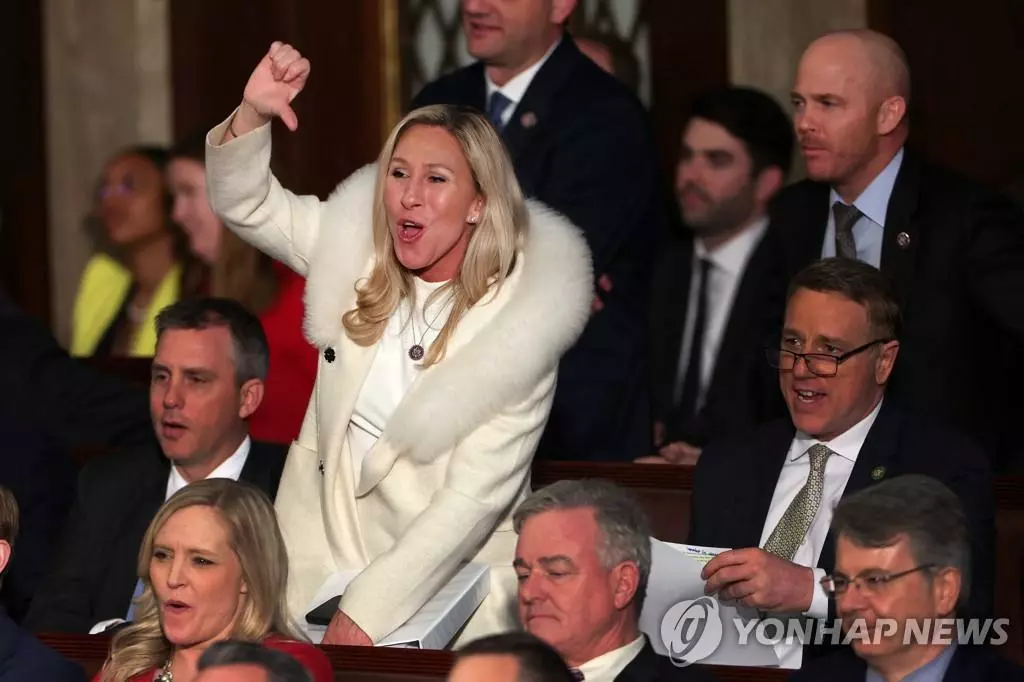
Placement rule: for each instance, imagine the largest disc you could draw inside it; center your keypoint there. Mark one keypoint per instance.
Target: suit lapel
(752, 493)
(874, 463)
(643, 668)
(673, 314)
(533, 109)
(901, 238)
(263, 467)
(808, 227)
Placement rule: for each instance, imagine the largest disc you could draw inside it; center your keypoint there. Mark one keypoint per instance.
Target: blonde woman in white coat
(441, 302)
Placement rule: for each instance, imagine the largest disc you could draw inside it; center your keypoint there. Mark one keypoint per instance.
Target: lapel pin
(528, 120)
(320, 467)
(903, 239)
(329, 354)
(878, 473)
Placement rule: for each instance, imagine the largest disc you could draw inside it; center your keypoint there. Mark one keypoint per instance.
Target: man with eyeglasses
(770, 493)
(902, 566)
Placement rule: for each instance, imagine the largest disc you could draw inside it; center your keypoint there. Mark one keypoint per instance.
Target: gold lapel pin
(903, 239)
(878, 473)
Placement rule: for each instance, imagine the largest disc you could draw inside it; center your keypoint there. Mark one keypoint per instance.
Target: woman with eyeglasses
(142, 266)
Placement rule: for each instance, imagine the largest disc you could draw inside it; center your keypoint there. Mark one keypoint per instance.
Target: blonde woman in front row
(441, 302)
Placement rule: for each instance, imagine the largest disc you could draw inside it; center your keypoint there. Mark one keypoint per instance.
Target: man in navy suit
(902, 564)
(581, 143)
(22, 657)
(770, 493)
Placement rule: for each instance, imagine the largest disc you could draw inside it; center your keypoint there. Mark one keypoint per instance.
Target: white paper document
(699, 628)
(435, 624)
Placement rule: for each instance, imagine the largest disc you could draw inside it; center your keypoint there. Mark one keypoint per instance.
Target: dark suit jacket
(24, 658)
(969, 664)
(960, 280)
(587, 152)
(41, 385)
(648, 666)
(96, 570)
(40, 474)
(734, 482)
(743, 390)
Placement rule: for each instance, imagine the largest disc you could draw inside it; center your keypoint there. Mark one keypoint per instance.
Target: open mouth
(176, 607)
(808, 397)
(172, 429)
(409, 230)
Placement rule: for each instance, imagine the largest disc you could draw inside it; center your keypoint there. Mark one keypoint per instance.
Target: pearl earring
(472, 219)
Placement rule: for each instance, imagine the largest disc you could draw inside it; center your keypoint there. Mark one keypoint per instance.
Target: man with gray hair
(902, 568)
(583, 559)
(235, 661)
(206, 379)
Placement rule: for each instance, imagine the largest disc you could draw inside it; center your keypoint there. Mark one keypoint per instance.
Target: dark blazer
(95, 573)
(581, 143)
(743, 390)
(41, 384)
(735, 479)
(649, 666)
(24, 658)
(969, 664)
(960, 280)
(40, 474)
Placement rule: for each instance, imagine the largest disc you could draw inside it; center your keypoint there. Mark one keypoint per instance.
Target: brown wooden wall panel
(24, 247)
(689, 43)
(216, 45)
(966, 100)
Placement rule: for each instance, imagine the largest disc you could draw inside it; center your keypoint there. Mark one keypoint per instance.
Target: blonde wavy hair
(256, 540)
(490, 255)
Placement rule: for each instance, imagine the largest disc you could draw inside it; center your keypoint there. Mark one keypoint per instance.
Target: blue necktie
(496, 107)
(135, 595)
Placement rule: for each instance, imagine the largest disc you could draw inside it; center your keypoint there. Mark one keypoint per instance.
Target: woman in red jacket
(213, 567)
(263, 285)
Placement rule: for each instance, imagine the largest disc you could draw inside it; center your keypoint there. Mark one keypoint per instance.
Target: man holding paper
(770, 493)
(583, 560)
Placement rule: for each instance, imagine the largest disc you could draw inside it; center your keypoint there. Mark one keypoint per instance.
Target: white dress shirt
(516, 87)
(728, 263)
(392, 372)
(607, 666)
(229, 468)
(797, 467)
(873, 203)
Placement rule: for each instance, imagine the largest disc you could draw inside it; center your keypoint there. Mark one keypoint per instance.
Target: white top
(516, 87)
(229, 468)
(728, 263)
(838, 467)
(607, 666)
(393, 372)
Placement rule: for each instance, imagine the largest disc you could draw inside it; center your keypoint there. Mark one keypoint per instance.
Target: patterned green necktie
(793, 526)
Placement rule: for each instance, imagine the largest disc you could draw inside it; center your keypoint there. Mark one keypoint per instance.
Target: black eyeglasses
(869, 585)
(821, 364)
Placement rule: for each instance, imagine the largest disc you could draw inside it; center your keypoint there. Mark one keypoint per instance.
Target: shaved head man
(850, 108)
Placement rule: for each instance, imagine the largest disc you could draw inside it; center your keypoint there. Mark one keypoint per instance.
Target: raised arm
(242, 190)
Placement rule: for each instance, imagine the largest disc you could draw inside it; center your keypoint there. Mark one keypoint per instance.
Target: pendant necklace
(416, 351)
(165, 674)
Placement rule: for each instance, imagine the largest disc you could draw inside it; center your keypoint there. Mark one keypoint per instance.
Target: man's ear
(626, 581)
(250, 396)
(769, 182)
(886, 361)
(946, 590)
(5, 554)
(561, 10)
(891, 113)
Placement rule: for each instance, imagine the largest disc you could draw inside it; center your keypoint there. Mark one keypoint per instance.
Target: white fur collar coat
(439, 487)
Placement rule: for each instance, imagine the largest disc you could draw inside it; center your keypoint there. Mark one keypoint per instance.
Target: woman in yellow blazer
(441, 303)
(118, 298)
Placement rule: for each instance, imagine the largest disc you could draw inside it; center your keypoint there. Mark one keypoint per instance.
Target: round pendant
(416, 352)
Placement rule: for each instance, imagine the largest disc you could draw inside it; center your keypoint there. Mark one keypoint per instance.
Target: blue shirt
(932, 671)
(873, 202)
